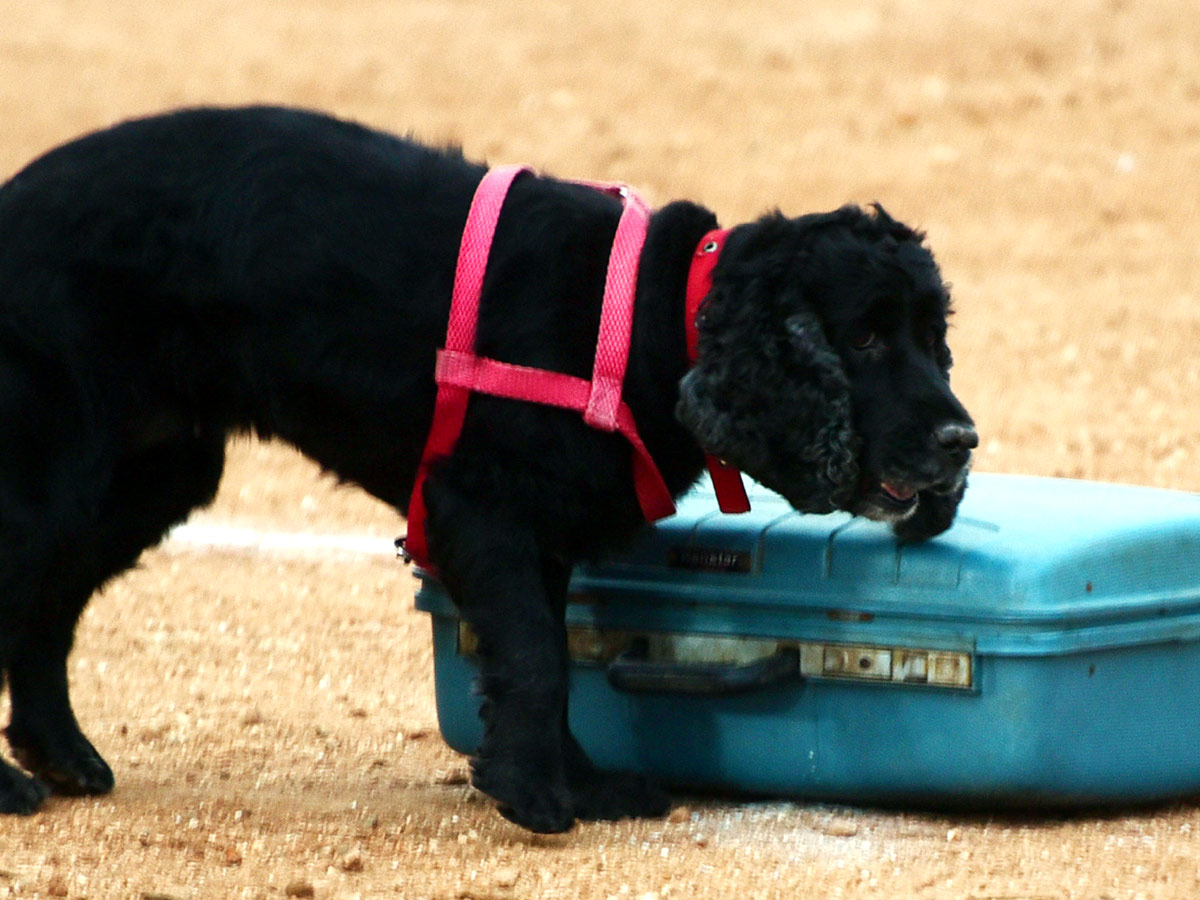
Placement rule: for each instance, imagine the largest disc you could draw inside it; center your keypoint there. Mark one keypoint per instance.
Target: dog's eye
(865, 341)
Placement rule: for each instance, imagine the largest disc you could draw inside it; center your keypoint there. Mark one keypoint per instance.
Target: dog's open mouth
(886, 499)
(894, 499)
(898, 495)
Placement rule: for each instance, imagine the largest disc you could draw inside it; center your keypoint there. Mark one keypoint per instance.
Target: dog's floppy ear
(768, 394)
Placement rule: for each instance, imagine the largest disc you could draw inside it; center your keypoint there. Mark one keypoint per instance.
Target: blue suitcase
(1045, 651)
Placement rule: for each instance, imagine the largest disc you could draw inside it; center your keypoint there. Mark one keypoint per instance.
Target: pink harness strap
(460, 372)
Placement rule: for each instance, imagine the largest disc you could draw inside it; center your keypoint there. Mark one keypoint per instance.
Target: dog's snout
(956, 437)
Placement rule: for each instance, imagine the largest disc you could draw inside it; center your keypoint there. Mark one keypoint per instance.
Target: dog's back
(236, 269)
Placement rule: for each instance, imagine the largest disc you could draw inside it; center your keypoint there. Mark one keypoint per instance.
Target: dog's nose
(956, 437)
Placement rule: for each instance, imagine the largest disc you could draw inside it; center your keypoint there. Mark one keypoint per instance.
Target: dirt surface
(270, 717)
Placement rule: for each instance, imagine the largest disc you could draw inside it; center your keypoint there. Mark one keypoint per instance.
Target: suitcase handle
(633, 672)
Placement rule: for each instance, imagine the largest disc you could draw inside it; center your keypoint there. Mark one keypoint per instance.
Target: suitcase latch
(899, 665)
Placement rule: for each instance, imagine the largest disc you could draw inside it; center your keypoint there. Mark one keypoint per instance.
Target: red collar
(699, 283)
(727, 481)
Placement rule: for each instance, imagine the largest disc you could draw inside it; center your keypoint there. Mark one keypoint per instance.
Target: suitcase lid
(1031, 566)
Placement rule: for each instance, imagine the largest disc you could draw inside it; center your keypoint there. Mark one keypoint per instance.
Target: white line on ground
(217, 536)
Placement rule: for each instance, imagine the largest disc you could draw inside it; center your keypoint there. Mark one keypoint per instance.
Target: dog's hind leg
(491, 566)
(19, 793)
(48, 476)
(43, 733)
(150, 491)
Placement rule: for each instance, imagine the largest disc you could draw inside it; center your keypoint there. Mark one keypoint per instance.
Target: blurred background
(1049, 149)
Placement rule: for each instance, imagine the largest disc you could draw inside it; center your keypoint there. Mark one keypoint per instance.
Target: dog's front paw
(540, 804)
(605, 796)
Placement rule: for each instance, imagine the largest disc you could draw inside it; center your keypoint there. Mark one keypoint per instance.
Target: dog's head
(823, 369)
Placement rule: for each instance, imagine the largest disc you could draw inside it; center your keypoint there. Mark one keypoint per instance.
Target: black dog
(172, 280)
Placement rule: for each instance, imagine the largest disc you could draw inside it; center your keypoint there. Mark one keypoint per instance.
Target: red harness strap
(727, 481)
(460, 372)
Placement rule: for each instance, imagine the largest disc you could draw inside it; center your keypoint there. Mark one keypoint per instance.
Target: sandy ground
(270, 719)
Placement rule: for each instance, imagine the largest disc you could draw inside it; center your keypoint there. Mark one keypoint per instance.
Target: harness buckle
(402, 549)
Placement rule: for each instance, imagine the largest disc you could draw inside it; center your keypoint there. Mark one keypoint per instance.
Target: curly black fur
(767, 392)
(171, 280)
